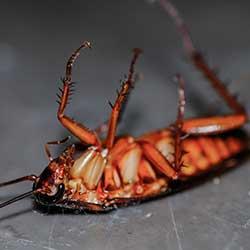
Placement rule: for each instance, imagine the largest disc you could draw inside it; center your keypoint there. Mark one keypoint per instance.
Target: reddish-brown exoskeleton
(120, 170)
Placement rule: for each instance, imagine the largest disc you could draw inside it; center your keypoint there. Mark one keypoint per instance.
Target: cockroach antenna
(32, 178)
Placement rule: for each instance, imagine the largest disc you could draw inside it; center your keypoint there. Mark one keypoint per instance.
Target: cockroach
(118, 171)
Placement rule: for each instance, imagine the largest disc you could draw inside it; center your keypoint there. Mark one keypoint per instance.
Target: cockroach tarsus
(119, 171)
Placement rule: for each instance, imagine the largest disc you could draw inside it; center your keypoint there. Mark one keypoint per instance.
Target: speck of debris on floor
(148, 215)
(216, 180)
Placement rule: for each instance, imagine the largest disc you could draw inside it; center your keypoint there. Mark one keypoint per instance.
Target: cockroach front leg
(85, 135)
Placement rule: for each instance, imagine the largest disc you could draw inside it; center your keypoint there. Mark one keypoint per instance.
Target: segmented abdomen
(133, 168)
(206, 152)
(201, 153)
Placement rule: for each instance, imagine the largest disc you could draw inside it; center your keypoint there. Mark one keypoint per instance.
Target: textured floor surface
(35, 41)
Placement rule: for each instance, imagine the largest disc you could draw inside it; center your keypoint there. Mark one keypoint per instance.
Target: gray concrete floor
(35, 40)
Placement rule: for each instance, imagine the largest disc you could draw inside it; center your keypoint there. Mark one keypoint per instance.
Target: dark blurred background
(37, 37)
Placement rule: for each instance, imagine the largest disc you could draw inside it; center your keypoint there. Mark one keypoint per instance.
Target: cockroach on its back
(119, 171)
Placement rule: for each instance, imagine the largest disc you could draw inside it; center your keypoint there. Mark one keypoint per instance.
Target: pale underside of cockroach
(95, 182)
(119, 171)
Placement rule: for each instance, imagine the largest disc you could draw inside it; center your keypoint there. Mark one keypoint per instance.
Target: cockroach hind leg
(180, 24)
(199, 60)
(179, 124)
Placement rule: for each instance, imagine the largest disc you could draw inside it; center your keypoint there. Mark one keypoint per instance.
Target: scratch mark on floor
(52, 228)
(223, 220)
(109, 232)
(25, 242)
(175, 226)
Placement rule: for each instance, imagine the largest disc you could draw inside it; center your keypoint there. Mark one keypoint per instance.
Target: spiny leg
(180, 24)
(121, 98)
(154, 156)
(102, 129)
(199, 60)
(135, 80)
(84, 134)
(217, 84)
(179, 124)
(54, 143)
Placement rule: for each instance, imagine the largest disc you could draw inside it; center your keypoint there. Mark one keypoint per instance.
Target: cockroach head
(50, 185)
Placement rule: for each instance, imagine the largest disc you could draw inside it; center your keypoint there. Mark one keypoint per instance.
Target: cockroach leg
(84, 134)
(214, 124)
(208, 125)
(121, 98)
(102, 129)
(135, 79)
(155, 157)
(46, 146)
(179, 124)
(217, 84)
(180, 24)
(199, 61)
